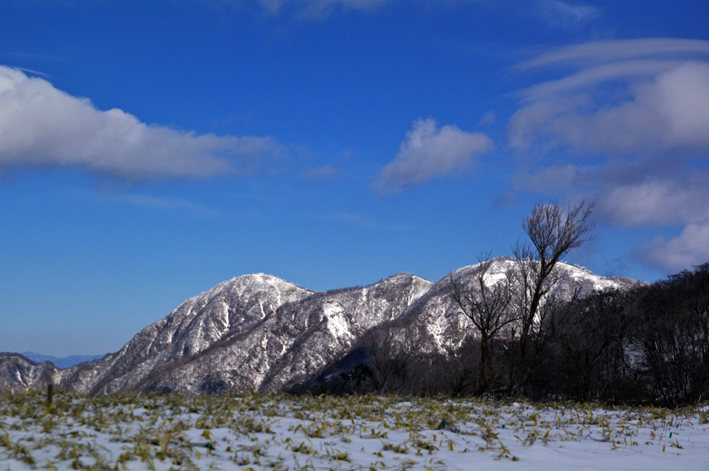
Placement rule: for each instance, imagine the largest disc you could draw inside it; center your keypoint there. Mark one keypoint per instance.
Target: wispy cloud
(326, 172)
(634, 114)
(166, 204)
(41, 126)
(318, 9)
(359, 221)
(489, 118)
(566, 15)
(108, 194)
(430, 152)
(34, 72)
(602, 52)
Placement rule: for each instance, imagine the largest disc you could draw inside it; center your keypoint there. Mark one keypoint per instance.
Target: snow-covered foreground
(370, 433)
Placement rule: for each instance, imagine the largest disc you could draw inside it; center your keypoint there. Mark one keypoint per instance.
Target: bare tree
(553, 231)
(674, 336)
(391, 351)
(485, 302)
(597, 323)
(461, 368)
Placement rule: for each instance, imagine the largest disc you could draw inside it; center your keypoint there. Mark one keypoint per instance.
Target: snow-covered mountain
(259, 332)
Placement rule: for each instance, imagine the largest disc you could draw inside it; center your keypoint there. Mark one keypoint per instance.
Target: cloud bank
(41, 126)
(430, 152)
(634, 114)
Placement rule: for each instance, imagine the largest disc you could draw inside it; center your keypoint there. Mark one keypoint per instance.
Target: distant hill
(65, 362)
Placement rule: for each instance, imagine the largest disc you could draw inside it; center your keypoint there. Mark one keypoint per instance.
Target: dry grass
(131, 431)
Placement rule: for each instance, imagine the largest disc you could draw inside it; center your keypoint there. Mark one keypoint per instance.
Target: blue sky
(150, 150)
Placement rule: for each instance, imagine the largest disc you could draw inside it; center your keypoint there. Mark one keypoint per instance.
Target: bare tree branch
(552, 231)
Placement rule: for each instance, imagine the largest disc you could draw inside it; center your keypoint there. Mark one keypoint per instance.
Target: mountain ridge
(61, 362)
(260, 332)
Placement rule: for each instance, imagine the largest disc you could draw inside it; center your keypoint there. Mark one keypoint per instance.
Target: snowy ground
(281, 432)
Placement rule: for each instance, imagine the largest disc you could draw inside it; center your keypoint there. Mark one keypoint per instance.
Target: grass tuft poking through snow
(281, 432)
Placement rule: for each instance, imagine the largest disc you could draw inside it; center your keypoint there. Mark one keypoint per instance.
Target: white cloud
(656, 201)
(689, 249)
(635, 113)
(666, 111)
(430, 152)
(41, 126)
(619, 50)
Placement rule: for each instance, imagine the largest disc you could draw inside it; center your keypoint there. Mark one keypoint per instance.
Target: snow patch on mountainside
(336, 320)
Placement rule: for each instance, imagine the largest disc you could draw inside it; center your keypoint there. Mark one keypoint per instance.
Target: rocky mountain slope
(259, 332)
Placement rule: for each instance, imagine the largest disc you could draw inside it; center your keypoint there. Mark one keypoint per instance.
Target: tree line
(528, 338)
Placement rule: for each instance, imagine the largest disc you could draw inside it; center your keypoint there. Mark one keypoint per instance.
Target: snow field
(279, 432)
